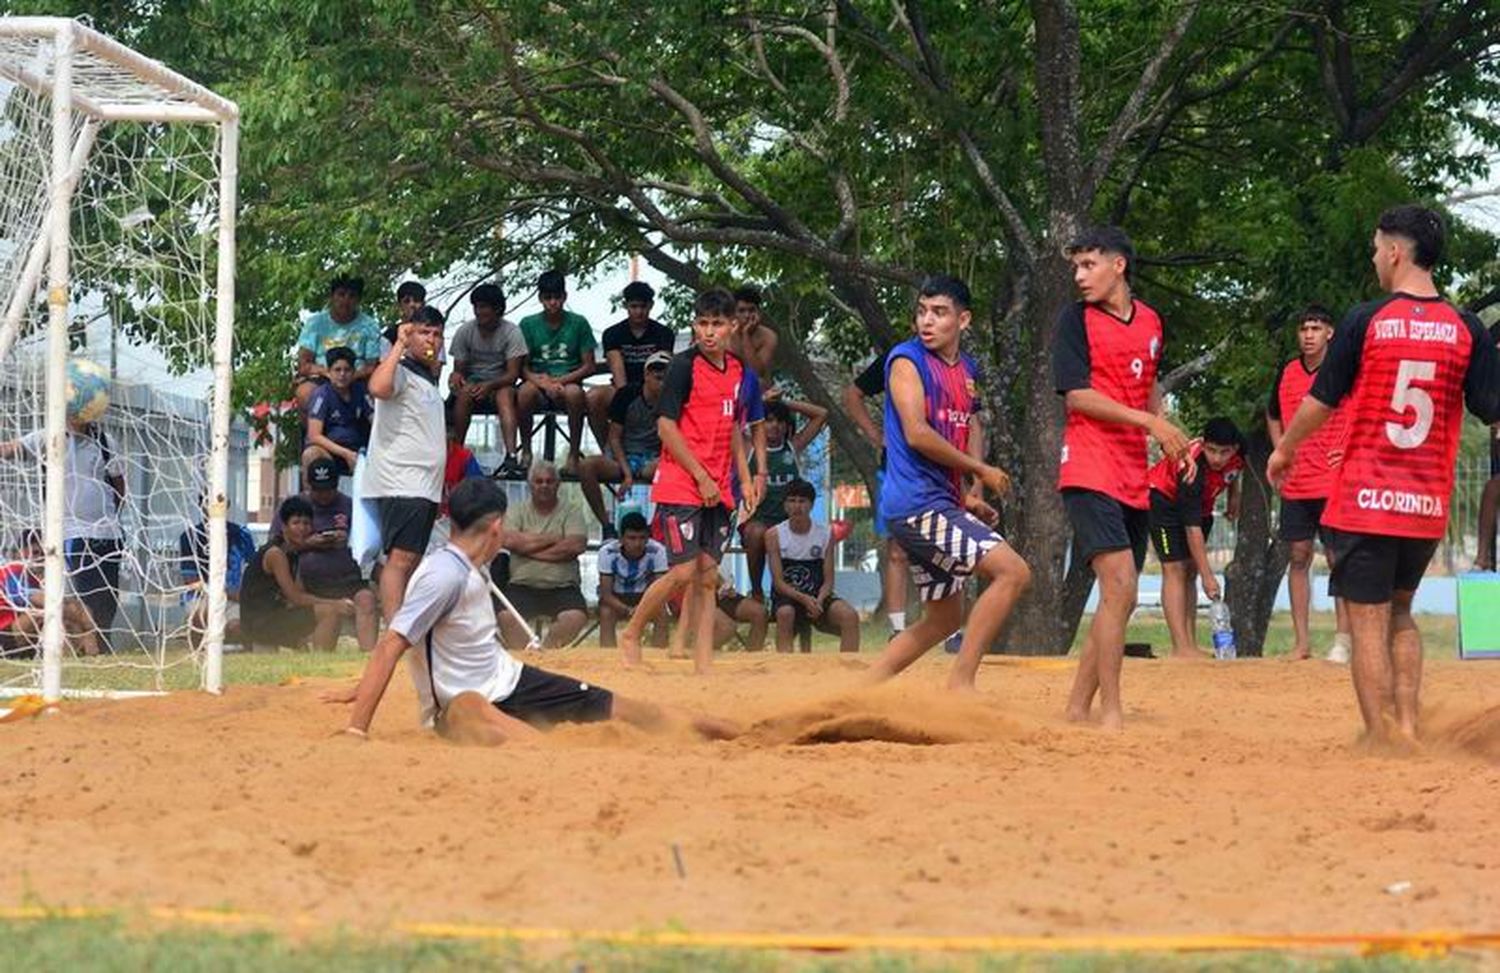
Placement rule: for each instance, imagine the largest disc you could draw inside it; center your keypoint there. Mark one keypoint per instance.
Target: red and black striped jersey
(1311, 475)
(1401, 368)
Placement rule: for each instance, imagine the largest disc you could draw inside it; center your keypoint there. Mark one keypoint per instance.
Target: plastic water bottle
(1223, 629)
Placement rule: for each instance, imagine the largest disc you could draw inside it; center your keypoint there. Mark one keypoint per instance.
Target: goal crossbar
(179, 98)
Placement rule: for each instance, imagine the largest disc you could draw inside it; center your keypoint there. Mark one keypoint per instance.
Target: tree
(841, 148)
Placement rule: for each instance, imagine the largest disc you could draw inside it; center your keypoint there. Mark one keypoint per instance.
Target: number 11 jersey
(1402, 368)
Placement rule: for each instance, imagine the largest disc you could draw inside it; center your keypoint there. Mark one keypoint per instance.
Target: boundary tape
(1417, 944)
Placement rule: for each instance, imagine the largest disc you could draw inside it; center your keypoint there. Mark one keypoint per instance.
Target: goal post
(118, 185)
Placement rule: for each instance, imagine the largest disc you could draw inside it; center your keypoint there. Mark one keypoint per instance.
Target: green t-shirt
(781, 469)
(565, 520)
(557, 351)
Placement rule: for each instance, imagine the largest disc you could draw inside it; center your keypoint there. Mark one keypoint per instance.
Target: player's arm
(383, 379)
(281, 570)
(1198, 548)
(817, 418)
(527, 543)
(1155, 402)
(1097, 405)
(756, 485)
(372, 684)
(905, 391)
(765, 352)
(307, 364)
(974, 501)
(560, 550)
(617, 453)
(615, 359)
(511, 373)
(825, 590)
(586, 367)
(456, 379)
(315, 437)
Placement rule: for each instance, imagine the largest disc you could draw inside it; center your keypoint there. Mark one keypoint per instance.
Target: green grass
(100, 944)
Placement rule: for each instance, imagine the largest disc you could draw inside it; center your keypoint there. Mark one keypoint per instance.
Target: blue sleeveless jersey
(913, 483)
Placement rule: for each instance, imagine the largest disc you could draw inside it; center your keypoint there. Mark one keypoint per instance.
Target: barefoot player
(1399, 368)
(946, 531)
(700, 409)
(1105, 354)
(471, 690)
(1304, 492)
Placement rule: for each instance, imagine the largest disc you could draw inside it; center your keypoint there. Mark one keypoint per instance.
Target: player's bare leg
(1115, 571)
(1299, 589)
(1406, 656)
(472, 719)
(366, 619)
(1370, 628)
(940, 619)
(655, 718)
(330, 620)
(753, 613)
(1007, 576)
(703, 638)
(1179, 603)
(592, 472)
(687, 623)
(566, 627)
(897, 570)
(754, 536)
(658, 593)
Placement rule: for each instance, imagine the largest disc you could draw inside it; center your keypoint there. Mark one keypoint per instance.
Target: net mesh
(143, 225)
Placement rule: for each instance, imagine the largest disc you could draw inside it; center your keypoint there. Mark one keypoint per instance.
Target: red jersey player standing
(1104, 358)
(1304, 493)
(698, 418)
(1398, 368)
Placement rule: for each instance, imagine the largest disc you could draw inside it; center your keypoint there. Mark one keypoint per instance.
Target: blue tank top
(914, 483)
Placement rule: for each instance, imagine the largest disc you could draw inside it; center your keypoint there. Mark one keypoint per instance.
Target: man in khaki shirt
(545, 537)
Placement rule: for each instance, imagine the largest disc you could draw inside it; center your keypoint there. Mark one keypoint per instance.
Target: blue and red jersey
(914, 483)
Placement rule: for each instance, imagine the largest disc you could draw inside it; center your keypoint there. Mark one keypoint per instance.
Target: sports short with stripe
(544, 699)
(1102, 524)
(686, 531)
(944, 546)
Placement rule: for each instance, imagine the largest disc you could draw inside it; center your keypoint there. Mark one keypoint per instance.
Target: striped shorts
(944, 546)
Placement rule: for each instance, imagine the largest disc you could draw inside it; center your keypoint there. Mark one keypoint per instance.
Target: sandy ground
(1235, 801)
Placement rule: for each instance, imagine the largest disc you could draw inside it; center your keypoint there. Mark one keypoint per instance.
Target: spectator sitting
(192, 561)
(275, 609)
(545, 537)
(626, 567)
(460, 464)
(488, 353)
(408, 451)
(560, 348)
(22, 604)
(338, 416)
(411, 297)
(801, 555)
(628, 345)
(327, 567)
(784, 445)
(342, 325)
(634, 446)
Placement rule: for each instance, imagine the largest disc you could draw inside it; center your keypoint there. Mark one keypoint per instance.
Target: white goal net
(117, 195)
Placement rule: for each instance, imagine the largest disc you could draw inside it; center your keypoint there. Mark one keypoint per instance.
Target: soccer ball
(88, 390)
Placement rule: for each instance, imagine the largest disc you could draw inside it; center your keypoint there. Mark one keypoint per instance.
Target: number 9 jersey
(1400, 370)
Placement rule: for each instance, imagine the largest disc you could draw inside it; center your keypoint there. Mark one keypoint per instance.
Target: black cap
(322, 473)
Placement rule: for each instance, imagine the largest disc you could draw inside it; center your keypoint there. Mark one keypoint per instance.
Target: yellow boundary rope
(1426, 943)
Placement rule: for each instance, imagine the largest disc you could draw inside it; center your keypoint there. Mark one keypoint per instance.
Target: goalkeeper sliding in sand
(471, 690)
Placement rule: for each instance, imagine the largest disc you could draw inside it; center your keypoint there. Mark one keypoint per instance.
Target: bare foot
(964, 687)
(1299, 652)
(1075, 715)
(630, 649)
(1112, 720)
(714, 728)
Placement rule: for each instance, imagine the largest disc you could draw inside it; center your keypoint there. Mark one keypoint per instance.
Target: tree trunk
(1260, 558)
(1046, 619)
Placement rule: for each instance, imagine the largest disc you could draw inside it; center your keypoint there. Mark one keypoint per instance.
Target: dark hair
(941, 285)
(348, 282)
(490, 295)
(1105, 239)
(294, 506)
(778, 409)
(341, 353)
(1422, 226)
(749, 294)
(474, 500)
(634, 522)
(427, 314)
(1221, 431)
(801, 490)
(31, 539)
(552, 282)
(714, 303)
(638, 290)
(1315, 312)
(412, 288)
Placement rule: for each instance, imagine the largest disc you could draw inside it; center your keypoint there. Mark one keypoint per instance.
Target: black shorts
(478, 407)
(285, 626)
(1301, 520)
(801, 620)
(1102, 524)
(1170, 541)
(688, 531)
(730, 604)
(1369, 568)
(545, 602)
(405, 523)
(544, 698)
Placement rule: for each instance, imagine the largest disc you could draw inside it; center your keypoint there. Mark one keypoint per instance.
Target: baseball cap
(322, 473)
(661, 358)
